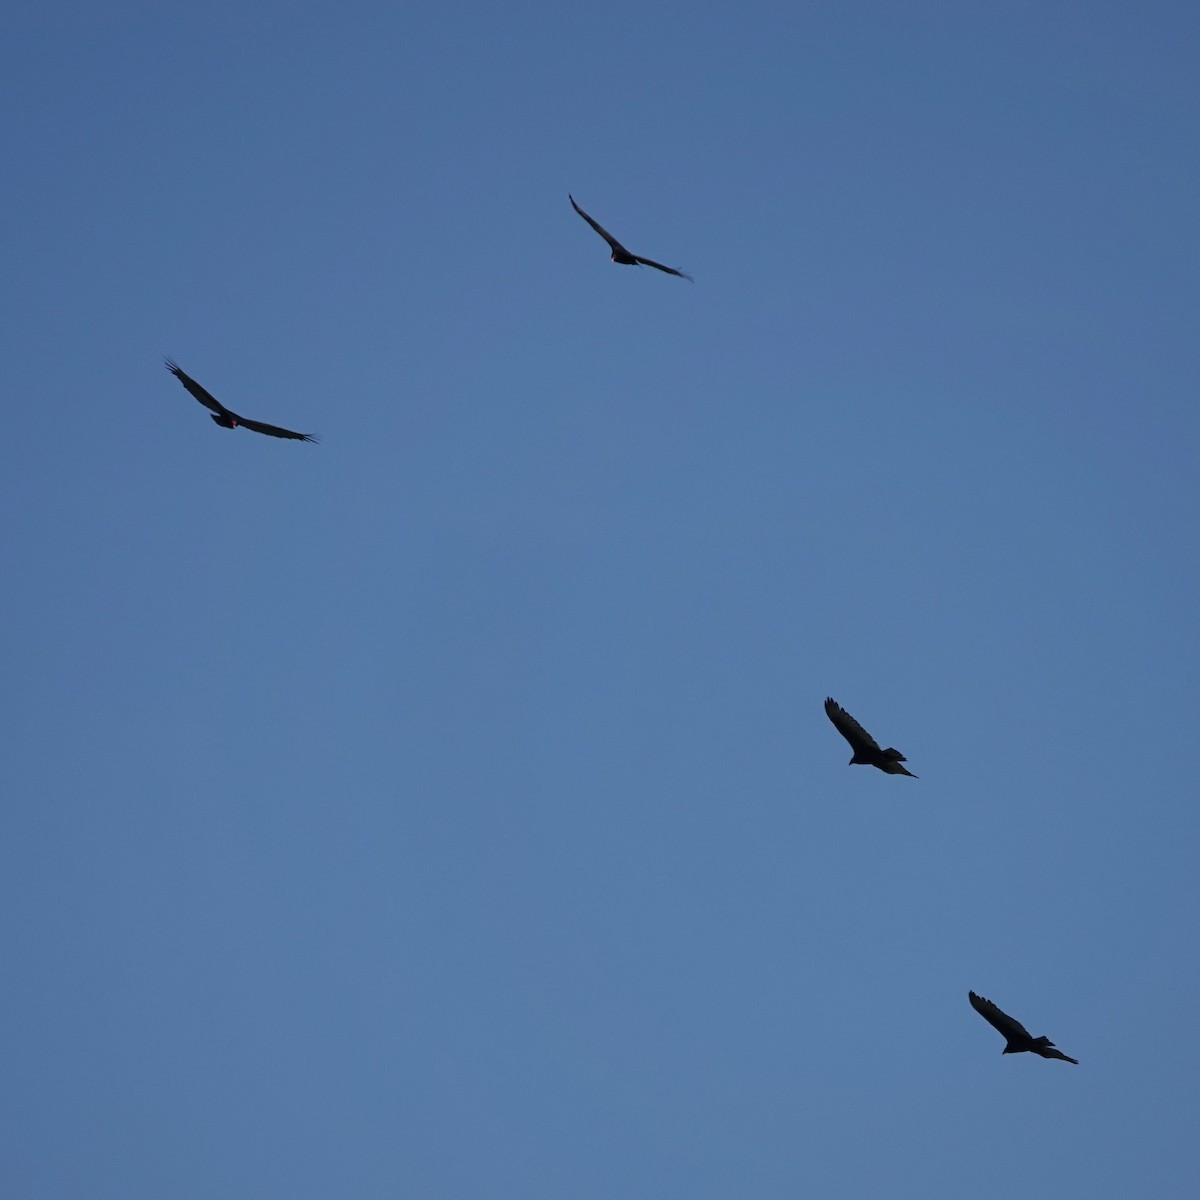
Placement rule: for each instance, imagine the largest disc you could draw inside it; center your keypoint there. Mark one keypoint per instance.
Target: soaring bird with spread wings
(866, 749)
(225, 417)
(1016, 1035)
(619, 253)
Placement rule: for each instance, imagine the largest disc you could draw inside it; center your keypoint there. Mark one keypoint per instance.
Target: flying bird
(224, 417)
(866, 749)
(619, 253)
(1015, 1033)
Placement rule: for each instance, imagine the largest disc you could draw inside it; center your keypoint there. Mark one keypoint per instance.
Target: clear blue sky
(448, 811)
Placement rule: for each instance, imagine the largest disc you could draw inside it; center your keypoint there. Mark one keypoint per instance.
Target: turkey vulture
(866, 749)
(223, 416)
(619, 253)
(1015, 1033)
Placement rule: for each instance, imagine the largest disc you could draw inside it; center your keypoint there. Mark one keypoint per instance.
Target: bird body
(867, 751)
(225, 417)
(619, 254)
(1018, 1039)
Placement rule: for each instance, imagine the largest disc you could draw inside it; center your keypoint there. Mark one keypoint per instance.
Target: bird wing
(649, 262)
(205, 397)
(608, 237)
(849, 728)
(1052, 1053)
(274, 430)
(1010, 1027)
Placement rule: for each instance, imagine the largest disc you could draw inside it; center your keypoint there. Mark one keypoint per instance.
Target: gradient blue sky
(448, 810)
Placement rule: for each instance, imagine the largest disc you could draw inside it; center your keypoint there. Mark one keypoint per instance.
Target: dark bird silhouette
(619, 253)
(1016, 1035)
(225, 417)
(866, 749)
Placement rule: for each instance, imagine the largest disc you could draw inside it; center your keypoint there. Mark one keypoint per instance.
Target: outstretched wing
(649, 262)
(275, 430)
(206, 398)
(860, 740)
(1010, 1027)
(608, 237)
(1052, 1053)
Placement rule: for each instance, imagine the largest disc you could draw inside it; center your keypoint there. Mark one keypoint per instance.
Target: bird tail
(894, 754)
(1042, 1041)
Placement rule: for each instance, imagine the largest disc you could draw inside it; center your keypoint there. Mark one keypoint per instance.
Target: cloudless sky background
(448, 810)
